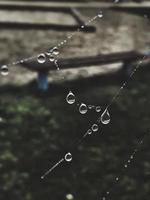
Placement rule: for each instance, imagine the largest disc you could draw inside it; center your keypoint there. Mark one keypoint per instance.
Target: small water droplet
(129, 161)
(105, 117)
(125, 165)
(69, 197)
(131, 156)
(68, 157)
(70, 98)
(90, 107)
(55, 51)
(104, 198)
(89, 132)
(42, 177)
(100, 15)
(51, 58)
(117, 179)
(83, 109)
(41, 58)
(82, 26)
(98, 108)
(107, 192)
(94, 127)
(4, 70)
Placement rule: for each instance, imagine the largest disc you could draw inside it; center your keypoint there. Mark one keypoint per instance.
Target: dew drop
(70, 98)
(41, 58)
(90, 107)
(100, 15)
(94, 127)
(55, 51)
(51, 58)
(4, 70)
(129, 161)
(131, 156)
(117, 179)
(83, 109)
(98, 108)
(89, 132)
(68, 157)
(69, 197)
(105, 117)
(125, 166)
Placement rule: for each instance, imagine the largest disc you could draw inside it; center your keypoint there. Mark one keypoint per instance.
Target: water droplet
(42, 177)
(83, 109)
(98, 109)
(107, 192)
(129, 161)
(4, 70)
(131, 156)
(55, 51)
(68, 157)
(117, 179)
(125, 165)
(89, 132)
(94, 127)
(51, 58)
(70, 98)
(100, 15)
(41, 58)
(69, 197)
(82, 26)
(105, 117)
(90, 107)
(104, 198)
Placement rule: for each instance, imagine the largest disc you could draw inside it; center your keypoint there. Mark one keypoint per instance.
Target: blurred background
(38, 127)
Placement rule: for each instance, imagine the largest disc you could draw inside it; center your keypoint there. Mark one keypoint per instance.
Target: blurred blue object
(42, 81)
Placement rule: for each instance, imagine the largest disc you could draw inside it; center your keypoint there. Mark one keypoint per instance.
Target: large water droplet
(83, 109)
(41, 58)
(105, 117)
(55, 51)
(94, 127)
(4, 70)
(68, 157)
(70, 98)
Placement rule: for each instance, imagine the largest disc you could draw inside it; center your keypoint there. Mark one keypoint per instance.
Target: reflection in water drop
(4, 70)
(98, 108)
(41, 58)
(105, 117)
(68, 157)
(70, 98)
(83, 109)
(94, 127)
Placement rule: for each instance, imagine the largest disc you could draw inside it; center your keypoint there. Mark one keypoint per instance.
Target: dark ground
(37, 128)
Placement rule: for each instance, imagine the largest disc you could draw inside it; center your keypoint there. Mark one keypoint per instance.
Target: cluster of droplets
(4, 70)
(83, 108)
(51, 55)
